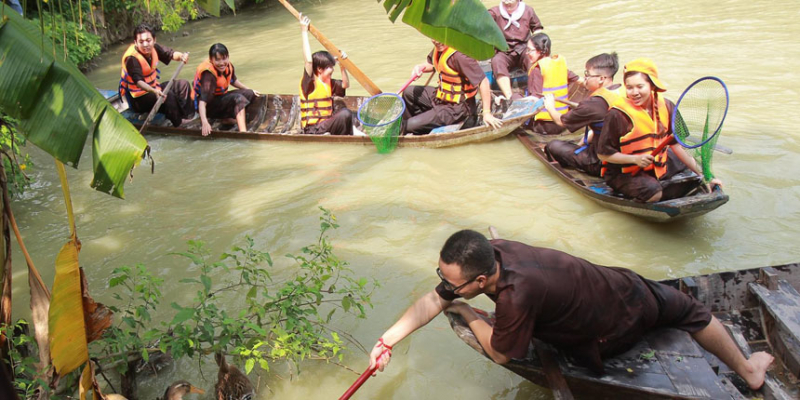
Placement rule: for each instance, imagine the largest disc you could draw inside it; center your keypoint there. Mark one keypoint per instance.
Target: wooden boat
(760, 307)
(277, 117)
(697, 202)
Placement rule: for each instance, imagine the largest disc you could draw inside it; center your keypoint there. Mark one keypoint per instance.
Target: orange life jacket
(644, 136)
(149, 70)
(223, 80)
(554, 73)
(452, 88)
(318, 106)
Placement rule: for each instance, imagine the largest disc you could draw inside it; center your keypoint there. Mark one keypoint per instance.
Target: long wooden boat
(277, 117)
(759, 307)
(697, 202)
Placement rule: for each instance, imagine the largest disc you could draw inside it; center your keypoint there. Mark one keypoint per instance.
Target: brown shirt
(563, 300)
(466, 67)
(208, 84)
(517, 36)
(135, 69)
(308, 85)
(591, 110)
(616, 125)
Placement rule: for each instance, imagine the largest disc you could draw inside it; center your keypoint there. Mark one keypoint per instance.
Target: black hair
(217, 49)
(322, 60)
(471, 251)
(647, 77)
(142, 28)
(606, 63)
(541, 42)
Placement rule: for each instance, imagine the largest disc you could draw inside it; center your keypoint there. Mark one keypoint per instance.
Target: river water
(396, 210)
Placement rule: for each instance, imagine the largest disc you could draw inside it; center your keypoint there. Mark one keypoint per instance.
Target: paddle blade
(381, 118)
(700, 112)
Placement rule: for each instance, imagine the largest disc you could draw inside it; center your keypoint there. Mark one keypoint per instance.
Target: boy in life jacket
(212, 99)
(548, 74)
(139, 77)
(453, 101)
(633, 128)
(518, 21)
(588, 115)
(317, 89)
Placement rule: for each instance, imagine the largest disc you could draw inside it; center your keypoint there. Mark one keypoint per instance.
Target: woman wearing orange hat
(633, 128)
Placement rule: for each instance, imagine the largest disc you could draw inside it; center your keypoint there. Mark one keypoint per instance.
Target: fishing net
(698, 119)
(381, 117)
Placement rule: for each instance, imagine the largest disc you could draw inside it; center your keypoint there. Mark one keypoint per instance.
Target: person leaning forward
(139, 77)
(518, 21)
(589, 115)
(453, 101)
(586, 310)
(210, 90)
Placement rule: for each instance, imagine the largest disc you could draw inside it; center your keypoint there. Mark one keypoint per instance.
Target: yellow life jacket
(554, 73)
(452, 88)
(223, 80)
(611, 97)
(149, 70)
(644, 136)
(318, 106)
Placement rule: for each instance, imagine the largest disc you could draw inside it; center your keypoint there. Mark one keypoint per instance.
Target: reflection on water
(396, 210)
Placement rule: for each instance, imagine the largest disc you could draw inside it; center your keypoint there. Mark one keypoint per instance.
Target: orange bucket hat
(647, 67)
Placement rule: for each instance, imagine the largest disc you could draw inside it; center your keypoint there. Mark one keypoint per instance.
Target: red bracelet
(383, 344)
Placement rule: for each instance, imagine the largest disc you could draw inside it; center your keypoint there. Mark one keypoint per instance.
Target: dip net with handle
(381, 119)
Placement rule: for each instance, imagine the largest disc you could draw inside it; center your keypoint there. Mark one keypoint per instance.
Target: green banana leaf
(58, 107)
(211, 6)
(462, 24)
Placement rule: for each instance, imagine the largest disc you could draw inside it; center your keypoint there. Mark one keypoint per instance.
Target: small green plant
(81, 45)
(15, 161)
(268, 320)
(21, 363)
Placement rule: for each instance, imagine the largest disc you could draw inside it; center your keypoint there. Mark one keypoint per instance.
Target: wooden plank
(769, 278)
(552, 370)
(772, 389)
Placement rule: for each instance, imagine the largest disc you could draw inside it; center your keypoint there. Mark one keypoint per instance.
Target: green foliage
(21, 363)
(238, 307)
(18, 162)
(81, 46)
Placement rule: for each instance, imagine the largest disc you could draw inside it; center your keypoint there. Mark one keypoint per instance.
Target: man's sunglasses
(453, 288)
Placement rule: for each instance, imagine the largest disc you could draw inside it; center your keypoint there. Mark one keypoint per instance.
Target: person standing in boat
(589, 114)
(453, 101)
(210, 90)
(518, 21)
(588, 311)
(548, 74)
(139, 83)
(317, 89)
(633, 128)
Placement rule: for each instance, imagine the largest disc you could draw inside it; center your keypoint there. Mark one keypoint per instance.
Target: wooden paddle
(161, 99)
(555, 379)
(371, 87)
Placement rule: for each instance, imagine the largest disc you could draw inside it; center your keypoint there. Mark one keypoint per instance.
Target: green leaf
(464, 25)
(249, 364)
(232, 5)
(206, 282)
(211, 6)
(183, 315)
(58, 107)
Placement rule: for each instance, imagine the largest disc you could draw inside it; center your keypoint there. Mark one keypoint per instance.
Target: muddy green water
(396, 210)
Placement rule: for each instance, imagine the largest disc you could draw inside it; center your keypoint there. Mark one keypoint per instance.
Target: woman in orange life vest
(548, 74)
(139, 77)
(212, 99)
(628, 139)
(317, 89)
(587, 116)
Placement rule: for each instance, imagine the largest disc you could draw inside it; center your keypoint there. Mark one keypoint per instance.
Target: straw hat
(647, 67)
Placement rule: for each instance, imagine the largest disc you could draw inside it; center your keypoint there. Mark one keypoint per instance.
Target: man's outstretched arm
(418, 315)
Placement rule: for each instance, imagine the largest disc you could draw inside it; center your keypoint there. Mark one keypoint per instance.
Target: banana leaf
(212, 6)
(58, 107)
(68, 344)
(462, 24)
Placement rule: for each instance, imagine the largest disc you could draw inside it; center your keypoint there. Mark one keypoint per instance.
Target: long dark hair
(217, 49)
(541, 42)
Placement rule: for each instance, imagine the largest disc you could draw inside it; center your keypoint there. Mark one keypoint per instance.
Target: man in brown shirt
(518, 21)
(429, 107)
(589, 115)
(584, 309)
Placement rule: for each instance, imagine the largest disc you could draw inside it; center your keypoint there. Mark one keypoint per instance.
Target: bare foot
(759, 362)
